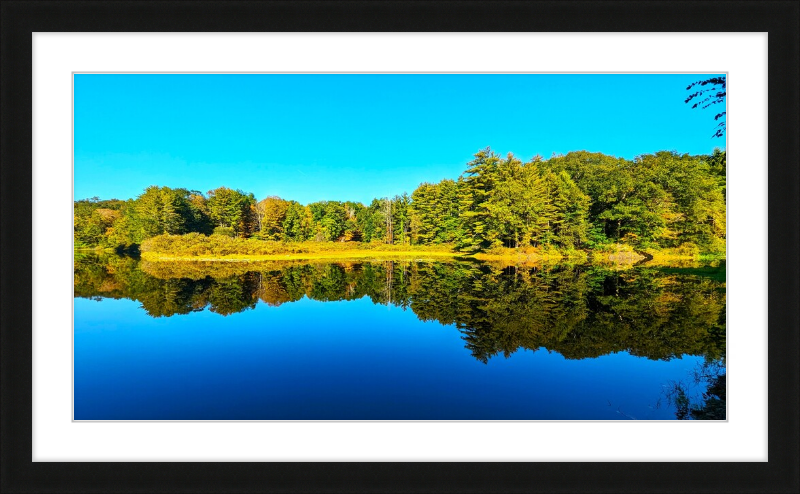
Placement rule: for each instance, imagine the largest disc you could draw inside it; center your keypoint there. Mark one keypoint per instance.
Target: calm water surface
(389, 340)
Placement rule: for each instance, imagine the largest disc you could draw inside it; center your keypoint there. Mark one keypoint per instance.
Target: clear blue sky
(354, 137)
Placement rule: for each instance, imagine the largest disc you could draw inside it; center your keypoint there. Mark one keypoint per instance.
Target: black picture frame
(780, 19)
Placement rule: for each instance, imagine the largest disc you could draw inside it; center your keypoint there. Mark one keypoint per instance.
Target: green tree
(198, 220)
(478, 182)
(162, 210)
(92, 220)
(333, 221)
(424, 220)
(718, 165)
(434, 216)
(448, 212)
(297, 223)
(234, 209)
(699, 200)
(626, 204)
(570, 223)
(270, 217)
(368, 223)
(376, 219)
(401, 219)
(352, 228)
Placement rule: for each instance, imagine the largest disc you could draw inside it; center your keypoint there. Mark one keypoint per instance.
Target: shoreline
(381, 255)
(303, 256)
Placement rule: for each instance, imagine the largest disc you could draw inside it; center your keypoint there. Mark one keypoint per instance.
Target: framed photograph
(330, 246)
(337, 299)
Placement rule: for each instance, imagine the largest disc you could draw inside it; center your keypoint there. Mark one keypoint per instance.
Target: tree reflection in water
(709, 403)
(577, 311)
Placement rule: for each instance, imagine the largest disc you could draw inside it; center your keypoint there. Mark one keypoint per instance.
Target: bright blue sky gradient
(355, 137)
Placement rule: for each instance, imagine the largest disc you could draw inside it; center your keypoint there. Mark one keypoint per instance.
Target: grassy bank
(200, 248)
(686, 252)
(88, 248)
(194, 247)
(332, 255)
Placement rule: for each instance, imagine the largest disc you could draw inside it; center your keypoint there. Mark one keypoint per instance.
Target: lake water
(390, 340)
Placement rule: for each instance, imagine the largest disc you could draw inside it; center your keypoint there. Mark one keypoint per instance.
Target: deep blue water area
(399, 341)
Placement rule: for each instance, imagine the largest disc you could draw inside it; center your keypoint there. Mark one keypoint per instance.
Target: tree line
(575, 201)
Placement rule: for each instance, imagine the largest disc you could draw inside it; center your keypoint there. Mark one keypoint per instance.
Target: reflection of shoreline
(579, 311)
(622, 260)
(363, 255)
(710, 403)
(199, 269)
(328, 256)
